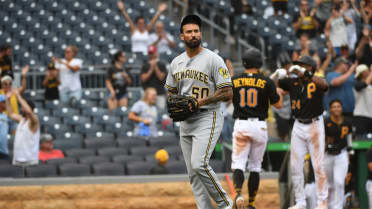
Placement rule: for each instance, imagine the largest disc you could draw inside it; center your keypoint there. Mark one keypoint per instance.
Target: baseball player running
(306, 93)
(252, 93)
(336, 162)
(201, 74)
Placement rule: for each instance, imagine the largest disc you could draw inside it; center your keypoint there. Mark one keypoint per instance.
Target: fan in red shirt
(46, 149)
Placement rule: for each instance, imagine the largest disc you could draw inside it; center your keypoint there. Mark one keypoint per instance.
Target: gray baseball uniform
(200, 76)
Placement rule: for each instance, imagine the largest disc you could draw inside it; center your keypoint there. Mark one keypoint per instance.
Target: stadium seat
(124, 159)
(176, 167)
(65, 144)
(74, 170)
(65, 112)
(11, 171)
(131, 142)
(53, 105)
(143, 151)
(77, 153)
(100, 135)
(99, 143)
(105, 119)
(88, 128)
(139, 168)
(108, 169)
(217, 165)
(111, 151)
(76, 120)
(60, 161)
(69, 135)
(41, 171)
(49, 120)
(162, 142)
(173, 150)
(5, 162)
(93, 159)
(94, 111)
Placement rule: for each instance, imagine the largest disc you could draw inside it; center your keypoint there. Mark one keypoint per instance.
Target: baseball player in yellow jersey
(202, 74)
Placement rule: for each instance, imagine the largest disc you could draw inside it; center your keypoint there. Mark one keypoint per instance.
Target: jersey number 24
(296, 104)
(248, 97)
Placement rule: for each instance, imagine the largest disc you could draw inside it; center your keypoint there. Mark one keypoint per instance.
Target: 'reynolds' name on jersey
(191, 74)
(250, 82)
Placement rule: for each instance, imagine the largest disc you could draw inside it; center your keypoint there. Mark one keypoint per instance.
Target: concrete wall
(174, 195)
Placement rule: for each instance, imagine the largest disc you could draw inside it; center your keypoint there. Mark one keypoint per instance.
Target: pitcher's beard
(193, 43)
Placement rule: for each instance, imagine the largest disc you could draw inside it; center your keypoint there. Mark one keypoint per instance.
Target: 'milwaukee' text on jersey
(252, 94)
(191, 74)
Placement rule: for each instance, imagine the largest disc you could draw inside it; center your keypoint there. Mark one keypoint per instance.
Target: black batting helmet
(307, 60)
(252, 58)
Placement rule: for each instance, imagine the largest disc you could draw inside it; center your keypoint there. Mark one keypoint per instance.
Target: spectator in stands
(153, 74)
(4, 152)
(47, 151)
(280, 6)
(6, 88)
(145, 114)
(6, 61)
(322, 65)
(139, 31)
(341, 82)
(304, 46)
(323, 11)
(366, 11)
(364, 49)
(117, 81)
(352, 12)
(305, 21)
(26, 141)
(161, 157)
(51, 83)
(335, 27)
(363, 100)
(161, 39)
(69, 72)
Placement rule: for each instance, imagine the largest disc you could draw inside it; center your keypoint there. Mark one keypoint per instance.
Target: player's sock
(253, 184)
(238, 178)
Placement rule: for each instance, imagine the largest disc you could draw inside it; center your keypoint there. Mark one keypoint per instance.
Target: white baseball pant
(308, 138)
(369, 192)
(336, 169)
(249, 142)
(310, 190)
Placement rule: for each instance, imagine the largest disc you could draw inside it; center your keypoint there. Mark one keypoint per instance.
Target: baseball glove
(181, 107)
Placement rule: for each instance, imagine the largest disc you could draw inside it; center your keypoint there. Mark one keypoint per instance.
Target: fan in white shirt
(161, 39)
(69, 73)
(140, 32)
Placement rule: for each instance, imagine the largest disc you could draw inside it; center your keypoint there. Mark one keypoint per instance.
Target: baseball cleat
(297, 207)
(251, 207)
(239, 202)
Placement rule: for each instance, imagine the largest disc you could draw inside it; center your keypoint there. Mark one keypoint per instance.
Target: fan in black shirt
(51, 83)
(117, 81)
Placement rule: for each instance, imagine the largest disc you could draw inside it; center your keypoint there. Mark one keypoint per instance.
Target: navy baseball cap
(190, 19)
(307, 60)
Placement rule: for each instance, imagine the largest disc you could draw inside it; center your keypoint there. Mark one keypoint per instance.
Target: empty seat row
(71, 169)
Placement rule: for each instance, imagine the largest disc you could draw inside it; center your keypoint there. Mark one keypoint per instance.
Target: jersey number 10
(248, 97)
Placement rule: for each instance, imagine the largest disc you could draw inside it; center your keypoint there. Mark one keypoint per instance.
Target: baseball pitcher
(197, 81)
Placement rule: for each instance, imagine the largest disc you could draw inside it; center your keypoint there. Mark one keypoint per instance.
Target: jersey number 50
(199, 92)
(248, 97)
